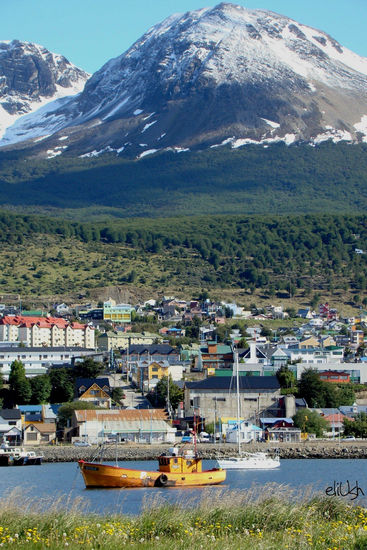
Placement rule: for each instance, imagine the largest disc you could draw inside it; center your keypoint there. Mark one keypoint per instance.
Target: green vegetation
(261, 519)
(252, 180)
(310, 422)
(356, 427)
(303, 257)
(58, 386)
(19, 385)
(318, 393)
(158, 396)
(286, 378)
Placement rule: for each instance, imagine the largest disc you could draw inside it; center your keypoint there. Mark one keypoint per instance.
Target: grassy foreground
(274, 519)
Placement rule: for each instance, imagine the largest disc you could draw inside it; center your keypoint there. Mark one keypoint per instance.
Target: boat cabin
(184, 463)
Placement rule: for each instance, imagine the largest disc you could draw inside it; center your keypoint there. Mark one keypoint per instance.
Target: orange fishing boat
(175, 469)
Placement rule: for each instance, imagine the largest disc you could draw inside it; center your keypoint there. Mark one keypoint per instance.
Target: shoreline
(209, 451)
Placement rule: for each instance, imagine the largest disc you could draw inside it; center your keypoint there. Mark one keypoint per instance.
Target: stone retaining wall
(317, 449)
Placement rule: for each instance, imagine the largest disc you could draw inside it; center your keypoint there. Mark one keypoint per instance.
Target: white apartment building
(46, 332)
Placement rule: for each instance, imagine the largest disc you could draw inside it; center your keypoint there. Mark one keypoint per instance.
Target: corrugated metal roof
(135, 426)
(120, 415)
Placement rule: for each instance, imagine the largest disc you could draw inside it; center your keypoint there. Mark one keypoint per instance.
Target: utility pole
(169, 408)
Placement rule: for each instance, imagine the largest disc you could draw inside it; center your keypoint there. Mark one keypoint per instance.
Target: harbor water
(62, 483)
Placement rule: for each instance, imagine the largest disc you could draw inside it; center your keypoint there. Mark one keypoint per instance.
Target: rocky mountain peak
(30, 76)
(211, 77)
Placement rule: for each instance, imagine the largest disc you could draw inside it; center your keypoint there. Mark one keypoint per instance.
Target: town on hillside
(162, 370)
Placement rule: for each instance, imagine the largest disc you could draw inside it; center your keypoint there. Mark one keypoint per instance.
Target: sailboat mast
(234, 336)
(238, 403)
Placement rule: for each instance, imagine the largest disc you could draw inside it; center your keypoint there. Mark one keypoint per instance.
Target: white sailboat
(245, 460)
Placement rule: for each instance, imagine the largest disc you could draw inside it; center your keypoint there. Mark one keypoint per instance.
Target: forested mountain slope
(312, 253)
(252, 180)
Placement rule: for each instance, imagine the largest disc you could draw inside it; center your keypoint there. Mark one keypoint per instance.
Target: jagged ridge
(210, 77)
(31, 76)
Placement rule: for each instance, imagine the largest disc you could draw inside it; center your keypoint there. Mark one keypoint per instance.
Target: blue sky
(90, 32)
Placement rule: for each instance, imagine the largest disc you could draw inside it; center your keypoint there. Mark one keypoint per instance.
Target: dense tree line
(253, 180)
(56, 387)
(272, 253)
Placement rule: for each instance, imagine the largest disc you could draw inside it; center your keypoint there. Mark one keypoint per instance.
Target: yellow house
(309, 343)
(150, 373)
(157, 370)
(122, 340)
(328, 341)
(94, 391)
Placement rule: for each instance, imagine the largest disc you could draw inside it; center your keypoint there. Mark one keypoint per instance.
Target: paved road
(133, 398)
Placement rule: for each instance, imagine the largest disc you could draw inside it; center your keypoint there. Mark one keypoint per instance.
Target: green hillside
(251, 180)
(274, 256)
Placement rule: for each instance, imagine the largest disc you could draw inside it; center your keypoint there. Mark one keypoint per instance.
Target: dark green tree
(18, 383)
(311, 388)
(310, 422)
(88, 369)
(62, 386)
(286, 377)
(117, 395)
(345, 395)
(159, 395)
(41, 389)
(358, 427)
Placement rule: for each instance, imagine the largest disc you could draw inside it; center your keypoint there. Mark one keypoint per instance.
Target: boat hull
(103, 475)
(249, 463)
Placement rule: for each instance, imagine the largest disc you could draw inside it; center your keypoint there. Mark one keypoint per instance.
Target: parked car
(204, 437)
(349, 438)
(81, 444)
(186, 439)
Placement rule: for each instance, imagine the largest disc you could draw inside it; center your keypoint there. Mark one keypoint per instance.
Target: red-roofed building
(46, 332)
(336, 423)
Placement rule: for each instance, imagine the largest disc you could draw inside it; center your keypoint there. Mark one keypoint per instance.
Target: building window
(31, 437)
(12, 423)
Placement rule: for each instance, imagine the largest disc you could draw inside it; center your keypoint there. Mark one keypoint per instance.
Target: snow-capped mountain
(206, 78)
(30, 77)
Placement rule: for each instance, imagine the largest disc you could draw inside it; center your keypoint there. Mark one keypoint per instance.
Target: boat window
(175, 460)
(188, 462)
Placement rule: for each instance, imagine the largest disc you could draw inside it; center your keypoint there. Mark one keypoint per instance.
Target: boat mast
(234, 336)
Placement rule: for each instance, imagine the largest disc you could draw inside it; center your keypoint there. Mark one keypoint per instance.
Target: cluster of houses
(33, 425)
(265, 415)
(203, 369)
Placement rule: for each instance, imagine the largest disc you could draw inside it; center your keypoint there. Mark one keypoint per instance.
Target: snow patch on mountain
(362, 128)
(334, 135)
(43, 122)
(148, 126)
(146, 153)
(271, 123)
(31, 77)
(257, 76)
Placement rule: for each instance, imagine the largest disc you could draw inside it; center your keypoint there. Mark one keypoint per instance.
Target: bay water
(61, 484)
